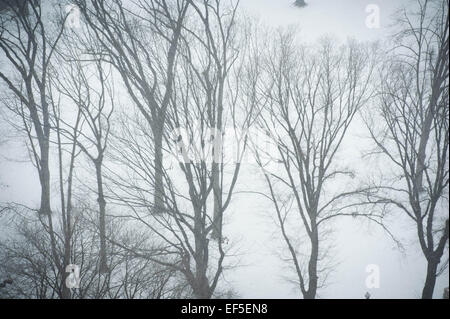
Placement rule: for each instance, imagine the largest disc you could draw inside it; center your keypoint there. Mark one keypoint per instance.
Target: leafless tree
(210, 64)
(86, 83)
(28, 44)
(140, 40)
(310, 97)
(410, 128)
(25, 261)
(28, 49)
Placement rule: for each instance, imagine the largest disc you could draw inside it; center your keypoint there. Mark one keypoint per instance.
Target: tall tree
(310, 98)
(86, 83)
(200, 182)
(28, 49)
(411, 128)
(140, 40)
(28, 43)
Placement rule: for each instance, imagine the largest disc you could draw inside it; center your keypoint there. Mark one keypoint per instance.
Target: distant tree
(86, 83)
(411, 130)
(310, 97)
(26, 262)
(199, 182)
(142, 47)
(28, 48)
(28, 43)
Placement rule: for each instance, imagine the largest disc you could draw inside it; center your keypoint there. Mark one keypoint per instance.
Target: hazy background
(249, 225)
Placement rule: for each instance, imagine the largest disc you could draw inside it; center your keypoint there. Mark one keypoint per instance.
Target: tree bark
(159, 184)
(217, 160)
(430, 281)
(202, 289)
(103, 265)
(217, 193)
(312, 267)
(44, 176)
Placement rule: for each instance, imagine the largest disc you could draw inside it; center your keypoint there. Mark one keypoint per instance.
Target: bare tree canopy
(310, 98)
(413, 133)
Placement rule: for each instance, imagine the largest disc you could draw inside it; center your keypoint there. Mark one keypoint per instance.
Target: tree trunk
(421, 156)
(202, 290)
(215, 171)
(103, 265)
(217, 193)
(65, 294)
(312, 267)
(159, 185)
(430, 281)
(44, 176)
(201, 286)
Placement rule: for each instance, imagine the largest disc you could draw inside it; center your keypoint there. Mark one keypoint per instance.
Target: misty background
(249, 221)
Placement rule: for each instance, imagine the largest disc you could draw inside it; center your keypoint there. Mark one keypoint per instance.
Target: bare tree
(140, 40)
(24, 261)
(28, 49)
(210, 64)
(410, 128)
(210, 113)
(309, 98)
(28, 44)
(86, 82)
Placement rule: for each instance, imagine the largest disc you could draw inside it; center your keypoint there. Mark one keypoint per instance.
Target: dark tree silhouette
(411, 129)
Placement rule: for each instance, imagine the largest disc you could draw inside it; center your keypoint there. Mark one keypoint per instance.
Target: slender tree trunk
(421, 156)
(217, 161)
(217, 193)
(64, 292)
(44, 176)
(103, 265)
(46, 210)
(159, 185)
(65, 210)
(430, 281)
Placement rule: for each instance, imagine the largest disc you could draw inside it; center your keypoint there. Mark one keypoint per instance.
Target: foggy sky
(248, 220)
